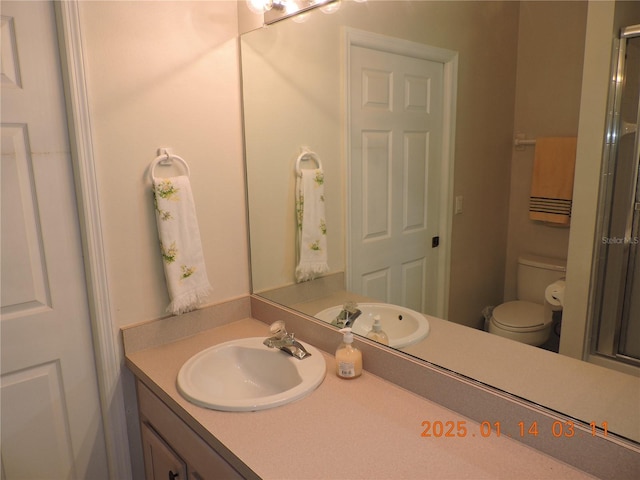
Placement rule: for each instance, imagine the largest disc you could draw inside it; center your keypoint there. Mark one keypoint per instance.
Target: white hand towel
(312, 230)
(184, 266)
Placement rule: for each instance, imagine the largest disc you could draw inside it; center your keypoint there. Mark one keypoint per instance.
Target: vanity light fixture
(275, 10)
(258, 6)
(331, 7)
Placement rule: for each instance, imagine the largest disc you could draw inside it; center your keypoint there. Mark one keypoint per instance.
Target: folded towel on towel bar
(552, 182)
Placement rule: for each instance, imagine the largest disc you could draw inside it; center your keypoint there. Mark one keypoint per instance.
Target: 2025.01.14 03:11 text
(485, 429)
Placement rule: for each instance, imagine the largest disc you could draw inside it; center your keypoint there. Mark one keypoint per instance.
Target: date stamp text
(462, 429)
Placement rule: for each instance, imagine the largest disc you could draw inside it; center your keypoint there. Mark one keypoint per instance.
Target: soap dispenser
(376, 333)
(348, 357)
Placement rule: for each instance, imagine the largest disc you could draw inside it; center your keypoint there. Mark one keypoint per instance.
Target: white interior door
(396, 118)
(51, 420)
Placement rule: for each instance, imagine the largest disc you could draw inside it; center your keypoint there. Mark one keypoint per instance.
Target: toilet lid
(519, 315)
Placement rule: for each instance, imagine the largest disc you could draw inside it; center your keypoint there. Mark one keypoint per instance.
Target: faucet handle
(350, 306)
(278, 329)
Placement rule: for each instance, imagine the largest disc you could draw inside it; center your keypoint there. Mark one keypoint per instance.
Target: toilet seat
(520, 317)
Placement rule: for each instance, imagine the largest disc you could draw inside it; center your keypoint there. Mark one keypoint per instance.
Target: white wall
(165, 74)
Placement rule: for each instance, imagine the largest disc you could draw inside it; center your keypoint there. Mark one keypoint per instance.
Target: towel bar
(520, 141)
(307, 154)
(166, 158)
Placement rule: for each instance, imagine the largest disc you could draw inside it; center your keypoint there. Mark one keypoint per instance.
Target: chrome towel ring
(307, 154)
(166, 159)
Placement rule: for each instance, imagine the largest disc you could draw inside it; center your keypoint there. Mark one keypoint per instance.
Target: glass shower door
(617, 297)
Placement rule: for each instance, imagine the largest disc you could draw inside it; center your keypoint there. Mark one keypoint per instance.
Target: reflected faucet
(347, 316)
(285, 341)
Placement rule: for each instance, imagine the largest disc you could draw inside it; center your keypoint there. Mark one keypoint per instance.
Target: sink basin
(403, 326)
(245, 375)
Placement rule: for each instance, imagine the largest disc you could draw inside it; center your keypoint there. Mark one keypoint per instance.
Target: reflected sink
(245, 375)
(403, 326)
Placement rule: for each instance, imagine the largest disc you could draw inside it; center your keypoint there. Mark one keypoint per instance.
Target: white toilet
(526, 319)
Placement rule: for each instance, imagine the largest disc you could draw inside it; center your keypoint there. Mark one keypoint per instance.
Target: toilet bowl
(527, 319)
(521, 321)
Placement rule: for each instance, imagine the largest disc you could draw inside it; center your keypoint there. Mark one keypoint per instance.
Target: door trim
(449, 59)
(108, 352)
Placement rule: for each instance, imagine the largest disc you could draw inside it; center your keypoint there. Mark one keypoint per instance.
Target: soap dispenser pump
(348, 357)
(376, 333)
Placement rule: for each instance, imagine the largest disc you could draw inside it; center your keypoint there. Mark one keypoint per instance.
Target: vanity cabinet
(160, 461)
(172, 451)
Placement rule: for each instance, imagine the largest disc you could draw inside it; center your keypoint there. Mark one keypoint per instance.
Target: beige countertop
(580, 389)
(362, 428)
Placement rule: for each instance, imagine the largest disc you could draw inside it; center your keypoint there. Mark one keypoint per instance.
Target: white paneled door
(396, 122)
(51, 420)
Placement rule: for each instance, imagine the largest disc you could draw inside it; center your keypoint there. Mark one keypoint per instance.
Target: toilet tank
(535, 273)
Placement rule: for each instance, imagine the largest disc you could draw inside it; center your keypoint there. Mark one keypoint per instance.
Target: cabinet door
(160, 461)
(204, 462)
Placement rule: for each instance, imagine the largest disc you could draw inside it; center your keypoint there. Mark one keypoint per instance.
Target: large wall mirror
(502, 70)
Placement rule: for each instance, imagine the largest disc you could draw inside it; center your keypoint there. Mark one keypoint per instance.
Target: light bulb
(259, 6)
(331, 7)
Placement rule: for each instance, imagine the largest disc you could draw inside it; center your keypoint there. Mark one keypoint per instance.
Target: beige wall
(549, 78)
(291, 99)
(165, 74)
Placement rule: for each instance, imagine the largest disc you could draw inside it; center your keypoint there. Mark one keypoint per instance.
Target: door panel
(160, 461)
(35, 422)
(396, 115)
(25, 284)
(51, 420)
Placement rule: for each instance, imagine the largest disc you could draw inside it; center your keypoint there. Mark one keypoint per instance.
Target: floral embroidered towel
(184, 266)
(312, 229)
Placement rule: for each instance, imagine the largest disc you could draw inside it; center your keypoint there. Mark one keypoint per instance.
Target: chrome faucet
(285, 341)
(347, 316)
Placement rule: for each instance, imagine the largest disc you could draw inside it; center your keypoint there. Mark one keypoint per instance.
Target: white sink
(403, 326)
(245, 375)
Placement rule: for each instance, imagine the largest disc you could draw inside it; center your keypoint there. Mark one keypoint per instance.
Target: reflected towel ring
(307, 155)
(167, 159)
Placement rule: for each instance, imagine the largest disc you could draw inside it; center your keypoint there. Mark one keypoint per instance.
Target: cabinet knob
(173, 476)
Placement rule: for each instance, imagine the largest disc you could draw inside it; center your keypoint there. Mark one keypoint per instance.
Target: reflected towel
(183, 261)
(552, 182)
(312, 230)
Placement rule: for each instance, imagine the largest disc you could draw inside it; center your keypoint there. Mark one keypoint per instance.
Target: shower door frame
(611, 299)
